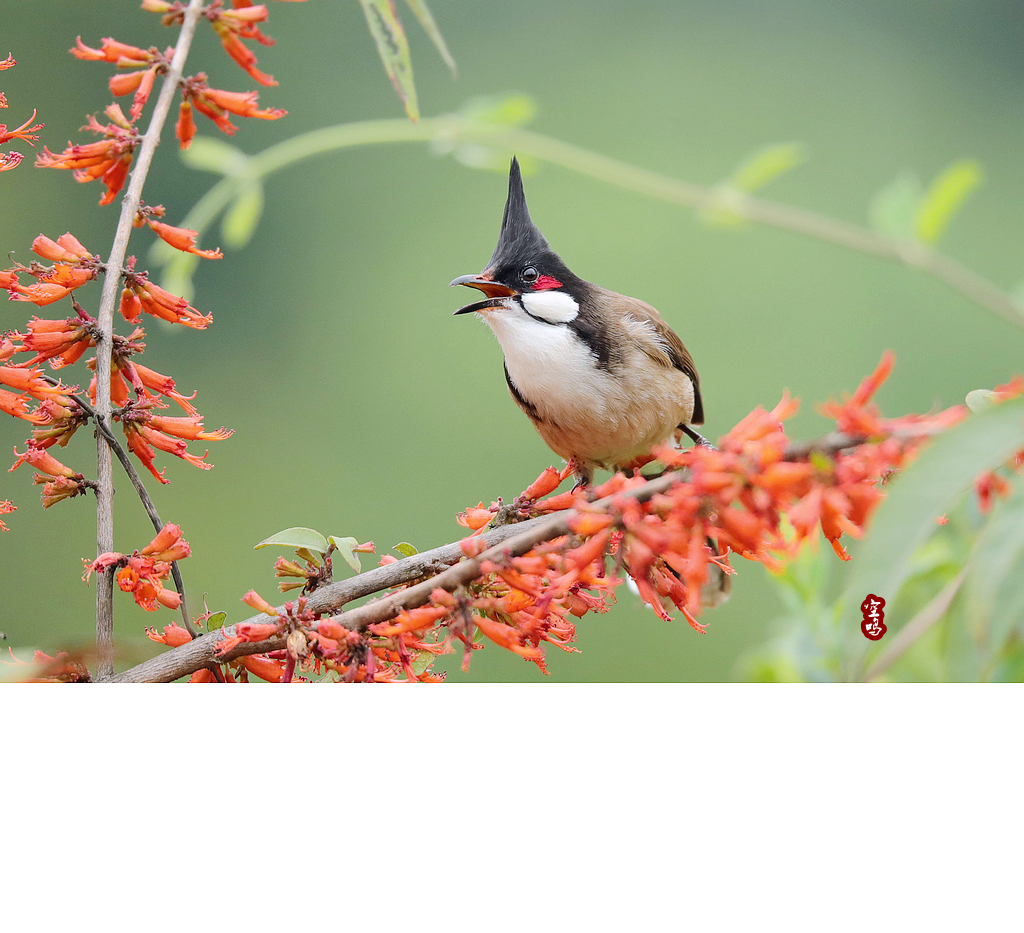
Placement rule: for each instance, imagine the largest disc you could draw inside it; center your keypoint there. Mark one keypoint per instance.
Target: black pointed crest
(519, 237)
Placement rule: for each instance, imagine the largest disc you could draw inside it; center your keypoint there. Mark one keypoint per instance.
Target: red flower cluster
(147, 432)
(140, 295)
(6, 507)
(108, 160)
(147, 64)
(26, 132)
(143, 572)
(73, 266)
(218, 106)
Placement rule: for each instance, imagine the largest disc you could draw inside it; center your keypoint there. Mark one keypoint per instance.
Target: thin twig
(104, 340)
(143, 493)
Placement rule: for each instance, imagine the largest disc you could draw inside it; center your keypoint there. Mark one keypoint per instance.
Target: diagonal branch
(445, 567)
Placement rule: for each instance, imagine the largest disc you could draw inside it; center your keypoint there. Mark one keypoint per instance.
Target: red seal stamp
(873, 623)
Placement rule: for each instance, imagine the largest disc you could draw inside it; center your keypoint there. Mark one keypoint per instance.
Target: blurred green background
(362, 407)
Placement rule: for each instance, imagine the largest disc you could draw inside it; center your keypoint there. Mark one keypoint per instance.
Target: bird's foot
(699, 439)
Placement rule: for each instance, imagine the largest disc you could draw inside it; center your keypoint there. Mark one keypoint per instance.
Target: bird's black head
(522, 262)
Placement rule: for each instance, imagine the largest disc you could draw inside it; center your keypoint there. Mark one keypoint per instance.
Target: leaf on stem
(426, 18)
(944, 198)
(393, 46)
(298, 537)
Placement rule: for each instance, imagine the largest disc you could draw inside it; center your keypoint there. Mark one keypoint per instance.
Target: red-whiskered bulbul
(601, 375)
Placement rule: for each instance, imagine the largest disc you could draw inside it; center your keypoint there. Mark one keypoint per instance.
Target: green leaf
(240, 219)
(393, 47)
(995, 584)
(925, 490)
(210, 154)
(405, 549)
(765, 165)
(297, 538)
(344, 547)
(423, 14)
(892, 209)
(511, 110)
(216, 621)
(420, 661)
(944, 198)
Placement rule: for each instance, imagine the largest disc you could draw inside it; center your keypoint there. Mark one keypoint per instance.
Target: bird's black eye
(530, 275)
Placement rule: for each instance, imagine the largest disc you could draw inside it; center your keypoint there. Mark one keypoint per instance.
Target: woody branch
(444, 567)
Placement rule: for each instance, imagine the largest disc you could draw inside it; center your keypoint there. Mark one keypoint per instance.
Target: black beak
(493, 290)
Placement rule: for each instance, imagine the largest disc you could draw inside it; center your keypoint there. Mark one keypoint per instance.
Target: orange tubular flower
(185, 126)
(16, 406)
(117, 53)
(475, 517)
(37, 457)
(183, 239)
(228, 30)
(146, 381)
(173, 635)
(190, 428)
(67, 248)
(167, 545)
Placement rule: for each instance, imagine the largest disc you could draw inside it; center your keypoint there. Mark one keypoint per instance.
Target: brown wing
(669, 351)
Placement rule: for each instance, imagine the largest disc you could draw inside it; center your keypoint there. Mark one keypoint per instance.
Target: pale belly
(583, 411)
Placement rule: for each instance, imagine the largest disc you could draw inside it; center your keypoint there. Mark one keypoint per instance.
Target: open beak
(493, 291)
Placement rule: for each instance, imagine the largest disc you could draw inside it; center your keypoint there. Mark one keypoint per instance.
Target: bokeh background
(362, 407)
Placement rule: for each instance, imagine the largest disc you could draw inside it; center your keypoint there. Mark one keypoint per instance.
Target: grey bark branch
(443, 567)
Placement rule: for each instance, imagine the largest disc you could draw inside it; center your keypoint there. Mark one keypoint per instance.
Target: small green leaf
(405, 549)
(345, 547)
(420, 661)
(297, 538)
(765, 165)
(892, 209)
(210, 154)
(216, 621)
(505, 110)
(240, 219)
(944, 198)
(423, 14)
(393, 47)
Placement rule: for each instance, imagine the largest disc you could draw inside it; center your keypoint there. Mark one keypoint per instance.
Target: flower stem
(105, 340)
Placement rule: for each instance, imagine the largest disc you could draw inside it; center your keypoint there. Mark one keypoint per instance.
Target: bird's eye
(530, 275)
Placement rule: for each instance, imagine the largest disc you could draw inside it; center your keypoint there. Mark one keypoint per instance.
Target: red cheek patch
(546, 282)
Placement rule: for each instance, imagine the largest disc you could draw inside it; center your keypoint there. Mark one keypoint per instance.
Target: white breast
(584, 411)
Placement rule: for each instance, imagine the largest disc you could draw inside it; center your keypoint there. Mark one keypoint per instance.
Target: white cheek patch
(556, 307)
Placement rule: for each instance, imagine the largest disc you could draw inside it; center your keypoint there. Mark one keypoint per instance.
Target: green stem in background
(104, 344)
(453, 130)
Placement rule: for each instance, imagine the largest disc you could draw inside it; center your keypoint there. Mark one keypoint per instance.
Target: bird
(601, 375)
